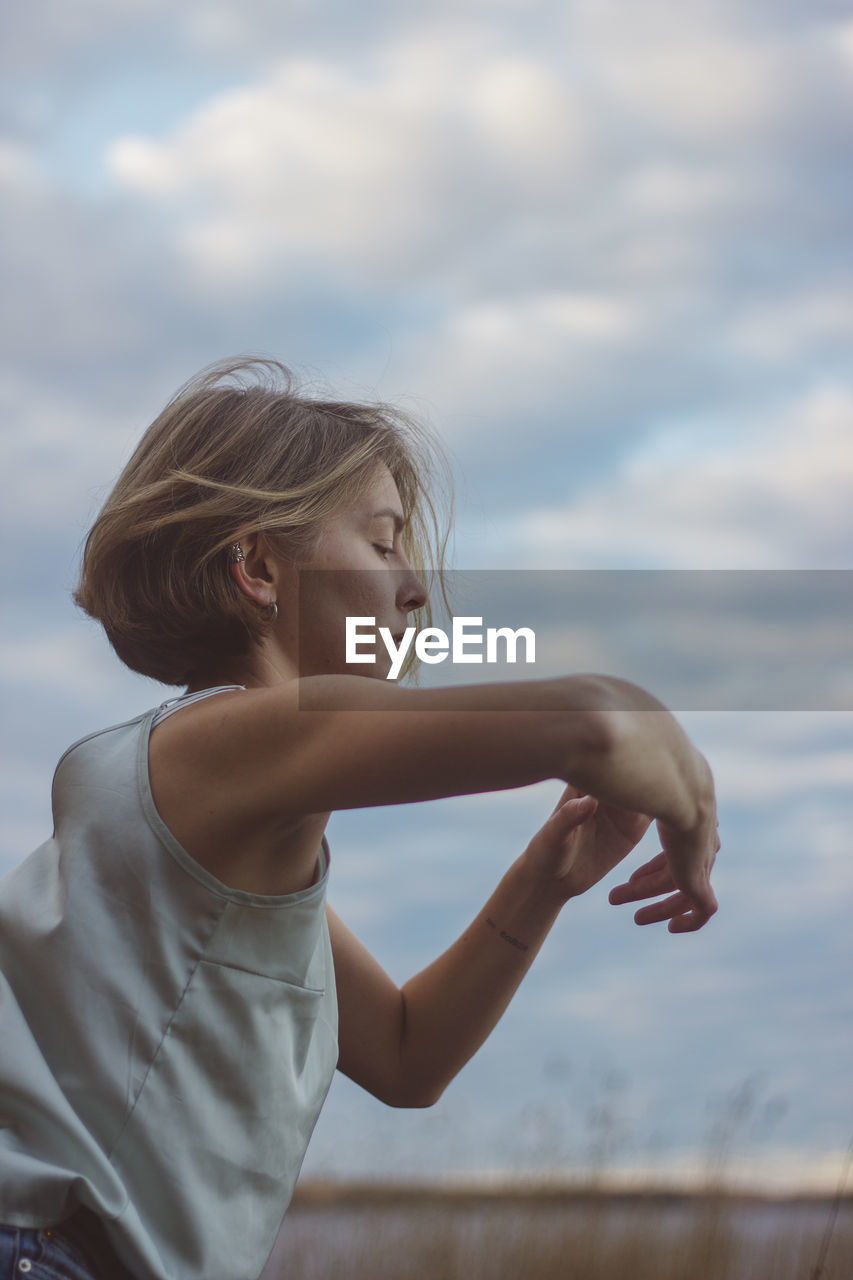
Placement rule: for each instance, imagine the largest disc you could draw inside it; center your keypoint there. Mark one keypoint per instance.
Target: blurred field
(375, 1233)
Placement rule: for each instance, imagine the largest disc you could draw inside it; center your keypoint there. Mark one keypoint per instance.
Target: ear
(257, 574)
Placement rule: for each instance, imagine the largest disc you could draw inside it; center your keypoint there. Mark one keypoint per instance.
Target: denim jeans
(52, 1253)
(25, 1251)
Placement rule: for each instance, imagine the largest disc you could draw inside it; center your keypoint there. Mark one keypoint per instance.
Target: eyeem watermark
(698, 640)
(433, 645)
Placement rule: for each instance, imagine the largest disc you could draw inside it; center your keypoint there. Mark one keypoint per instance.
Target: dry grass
(524, 1237)
(582, 1231)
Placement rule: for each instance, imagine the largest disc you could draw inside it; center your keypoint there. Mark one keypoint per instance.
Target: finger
(698, 889)
(685, 915)
(648, 868)
(649, 882)
(690, 921)
(636, 891)
(575, 811)
(570, 793)
(675, 905)
(704, 905)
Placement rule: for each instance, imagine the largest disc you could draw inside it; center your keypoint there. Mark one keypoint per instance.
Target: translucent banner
(751, 640)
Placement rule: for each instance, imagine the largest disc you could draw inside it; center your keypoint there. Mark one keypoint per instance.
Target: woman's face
(358, 569)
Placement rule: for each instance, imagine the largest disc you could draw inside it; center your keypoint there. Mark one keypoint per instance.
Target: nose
(412, 593)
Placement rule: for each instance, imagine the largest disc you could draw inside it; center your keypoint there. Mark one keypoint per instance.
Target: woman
(175, 993)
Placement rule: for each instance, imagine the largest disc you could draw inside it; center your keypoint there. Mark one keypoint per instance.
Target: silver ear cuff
(235, 553)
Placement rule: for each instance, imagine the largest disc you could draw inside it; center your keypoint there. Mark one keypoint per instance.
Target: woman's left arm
(405, 1045)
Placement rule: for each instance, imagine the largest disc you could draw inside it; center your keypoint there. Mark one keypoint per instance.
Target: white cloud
(361, 167)
(844, 37)
(710, 74)
(496, 331)
(390, 161)
(68, 673)
(784, 329)
(512, 359)
(778, 497)
(47, 32)
(58, 453)
(678, 189)
(19, 171)
(708, 89)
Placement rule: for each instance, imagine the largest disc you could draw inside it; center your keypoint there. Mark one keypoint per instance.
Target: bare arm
(405, 1045)
(340, 742)
(244, 762)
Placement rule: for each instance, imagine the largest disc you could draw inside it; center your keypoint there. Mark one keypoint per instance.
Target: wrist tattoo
(507, 937)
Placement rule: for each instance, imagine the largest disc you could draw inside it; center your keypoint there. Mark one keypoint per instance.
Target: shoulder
(205, 765)
(221, 734)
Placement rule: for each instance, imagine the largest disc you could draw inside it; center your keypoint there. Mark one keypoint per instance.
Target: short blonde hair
(239, 450)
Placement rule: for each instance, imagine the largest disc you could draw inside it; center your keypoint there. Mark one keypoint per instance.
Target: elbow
(427, 1097)
(412, 1095)
(416, 1102)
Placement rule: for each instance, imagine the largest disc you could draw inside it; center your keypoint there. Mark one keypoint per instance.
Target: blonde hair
(239, 450)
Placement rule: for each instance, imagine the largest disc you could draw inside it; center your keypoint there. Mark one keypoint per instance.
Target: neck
(264, 666)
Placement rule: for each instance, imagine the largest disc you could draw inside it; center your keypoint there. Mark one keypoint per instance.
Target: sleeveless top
(166, 1042)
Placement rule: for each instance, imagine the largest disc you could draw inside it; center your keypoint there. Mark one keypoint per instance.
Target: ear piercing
(235, 556)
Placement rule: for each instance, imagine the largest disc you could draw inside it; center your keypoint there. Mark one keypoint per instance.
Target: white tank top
(167, 1042)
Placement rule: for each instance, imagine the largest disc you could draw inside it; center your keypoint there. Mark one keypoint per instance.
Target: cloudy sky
(603, 247)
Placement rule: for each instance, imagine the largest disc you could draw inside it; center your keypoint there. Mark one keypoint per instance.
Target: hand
(582, 841)
(683, 870)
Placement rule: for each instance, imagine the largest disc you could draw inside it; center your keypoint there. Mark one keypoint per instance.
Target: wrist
(701, 799)
(537, 888)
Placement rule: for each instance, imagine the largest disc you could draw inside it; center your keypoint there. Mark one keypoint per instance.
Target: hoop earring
(272, 614)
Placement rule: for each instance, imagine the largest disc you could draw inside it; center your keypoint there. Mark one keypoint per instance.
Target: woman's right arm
(263, 759)
(323, 743)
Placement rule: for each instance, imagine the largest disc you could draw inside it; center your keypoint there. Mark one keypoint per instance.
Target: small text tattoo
(507, 937)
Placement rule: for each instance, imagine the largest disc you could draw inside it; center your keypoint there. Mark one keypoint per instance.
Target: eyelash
(385, 551)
